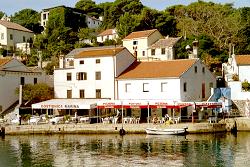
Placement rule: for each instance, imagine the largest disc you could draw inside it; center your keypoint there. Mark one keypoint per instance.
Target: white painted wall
(92, 23)
(244, 73)
(143, 44)
(175, 90)
(102, 39)
(17, 37)
(236, 91)
(194, 83)
(169, 54)
(136, 92)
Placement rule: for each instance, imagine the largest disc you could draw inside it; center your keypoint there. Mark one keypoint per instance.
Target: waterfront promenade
(243, 124)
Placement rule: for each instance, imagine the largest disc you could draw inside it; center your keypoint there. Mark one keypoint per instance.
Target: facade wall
(106, 84)
(142, 45)
(102, 39)
(155, 92)
(17, 37)
(123, 60)
(10, 80)
(244, 73)
(169, 54)
(92, 23)
(194, 81)
(236, 91)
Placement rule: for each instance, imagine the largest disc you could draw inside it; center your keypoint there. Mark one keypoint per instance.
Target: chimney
(61, 61)
(40, 59)
(195, 48)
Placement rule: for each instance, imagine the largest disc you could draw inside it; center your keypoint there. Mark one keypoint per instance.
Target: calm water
(131, 150)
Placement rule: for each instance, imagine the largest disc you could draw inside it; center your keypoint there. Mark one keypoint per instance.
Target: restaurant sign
(59, 106)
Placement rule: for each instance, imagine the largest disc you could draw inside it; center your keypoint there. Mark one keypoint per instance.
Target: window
(94, 22)
(44, 16)
(127, 87)
(69, 76)
(143, 53)
(195, 69)
(81, 76)
(163, 51)
(35, 81)
(203, 70)
(22, 80)
(98, 93)
(135, 42)
(71, 62)
(11, 36)
(145, 87)
(81, 61)
(2, 35)
(152, 52)
(164, 86)
(97, 61)
(98, 75)
(185, 87)
(24, 40)
(211, 85)
(107, 37)
(82, 93)
(69, 94)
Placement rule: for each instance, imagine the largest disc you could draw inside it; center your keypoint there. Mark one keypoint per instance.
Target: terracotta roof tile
(99, 52)
(166, 42)
(107, 32)
(140, 34)
(242, 59)
(14, 26)
(4, 61)
(157, 69)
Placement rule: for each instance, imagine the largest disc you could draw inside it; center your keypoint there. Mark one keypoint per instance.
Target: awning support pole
(148, 112)
(122, 115)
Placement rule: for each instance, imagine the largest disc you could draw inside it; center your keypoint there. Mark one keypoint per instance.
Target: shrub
(235, 77)
(245, 85)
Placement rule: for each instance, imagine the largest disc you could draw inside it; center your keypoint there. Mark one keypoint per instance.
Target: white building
(91, 73)
(91, 22)
(237, 66)
(12, 74)
(109, 34)
(140, 41)
(174, 80)
(15, 37)
(163, 49)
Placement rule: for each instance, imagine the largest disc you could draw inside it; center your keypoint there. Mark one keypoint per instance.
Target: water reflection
(129, 150)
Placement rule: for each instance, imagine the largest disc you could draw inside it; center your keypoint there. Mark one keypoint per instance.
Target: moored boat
(166, 131)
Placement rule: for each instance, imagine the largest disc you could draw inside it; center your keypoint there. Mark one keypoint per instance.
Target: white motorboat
(166, 131)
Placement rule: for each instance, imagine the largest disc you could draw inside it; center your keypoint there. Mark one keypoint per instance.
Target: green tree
(127, 24)
(28, 18)
(1, 14)
(89, 7)
(36, 93)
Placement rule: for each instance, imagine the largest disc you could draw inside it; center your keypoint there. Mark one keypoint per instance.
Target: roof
(107, 32)
(4, 61)
(140, 34)
(102, 52)
(242, 59)
(158, 69)
(166, 42)
(14, 26)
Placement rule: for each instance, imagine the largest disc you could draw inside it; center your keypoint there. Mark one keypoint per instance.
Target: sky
(12, 6)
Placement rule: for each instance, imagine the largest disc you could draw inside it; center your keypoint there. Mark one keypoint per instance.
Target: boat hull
(155, 131)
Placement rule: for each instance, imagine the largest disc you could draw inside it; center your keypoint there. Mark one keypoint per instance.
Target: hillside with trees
(216, 26)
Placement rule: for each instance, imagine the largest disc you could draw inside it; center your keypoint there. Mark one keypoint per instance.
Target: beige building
(15, 37)
(109, 34)
(139, 42)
